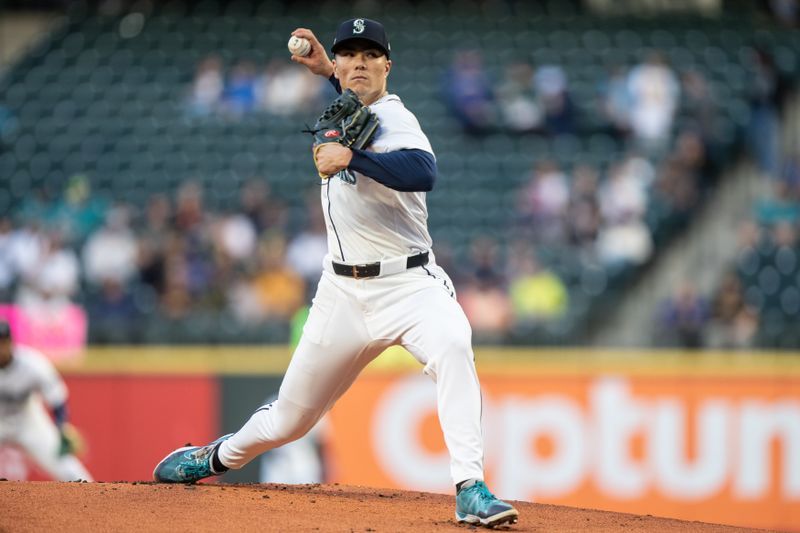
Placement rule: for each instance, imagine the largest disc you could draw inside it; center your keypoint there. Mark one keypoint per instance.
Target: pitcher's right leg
(333, 350)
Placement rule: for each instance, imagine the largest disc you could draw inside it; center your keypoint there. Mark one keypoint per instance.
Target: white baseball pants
(34, 432)
(351, 322)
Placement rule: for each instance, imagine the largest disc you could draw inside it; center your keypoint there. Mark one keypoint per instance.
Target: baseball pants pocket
(323, 309)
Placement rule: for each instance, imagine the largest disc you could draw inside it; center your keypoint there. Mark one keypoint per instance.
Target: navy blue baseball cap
(365, 30)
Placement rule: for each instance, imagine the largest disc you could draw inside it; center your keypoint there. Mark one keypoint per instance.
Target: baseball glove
(345, 121)
(72, 442)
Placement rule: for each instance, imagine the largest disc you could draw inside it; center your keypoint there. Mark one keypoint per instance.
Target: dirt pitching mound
(128, 507)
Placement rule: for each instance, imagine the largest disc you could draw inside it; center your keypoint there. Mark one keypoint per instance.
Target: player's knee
(290, 433)
(459, 345)
(293, 424)
(457, 350)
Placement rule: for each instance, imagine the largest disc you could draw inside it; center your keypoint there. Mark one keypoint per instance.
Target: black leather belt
(370, 270)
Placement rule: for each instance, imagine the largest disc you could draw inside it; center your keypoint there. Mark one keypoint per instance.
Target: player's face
(5, 352)
(363, 69)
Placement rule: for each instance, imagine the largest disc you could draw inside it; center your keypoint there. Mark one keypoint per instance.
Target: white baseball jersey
(29, 374)
(366, 220)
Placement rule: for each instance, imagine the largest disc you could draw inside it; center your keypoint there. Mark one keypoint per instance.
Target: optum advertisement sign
(686, 447)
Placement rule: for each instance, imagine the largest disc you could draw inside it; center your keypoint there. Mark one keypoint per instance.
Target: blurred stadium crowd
(154, 170)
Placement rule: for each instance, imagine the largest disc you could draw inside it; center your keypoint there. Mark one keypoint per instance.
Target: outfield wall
(712, 437)
(710, 448)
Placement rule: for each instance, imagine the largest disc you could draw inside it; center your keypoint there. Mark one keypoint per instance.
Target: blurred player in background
(28, 382)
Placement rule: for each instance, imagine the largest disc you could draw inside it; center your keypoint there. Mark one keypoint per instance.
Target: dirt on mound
(128, 507)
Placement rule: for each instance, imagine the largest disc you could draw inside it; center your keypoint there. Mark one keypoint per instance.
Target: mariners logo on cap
(361, 29)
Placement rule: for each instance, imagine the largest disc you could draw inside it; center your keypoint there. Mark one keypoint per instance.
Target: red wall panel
(131, 422)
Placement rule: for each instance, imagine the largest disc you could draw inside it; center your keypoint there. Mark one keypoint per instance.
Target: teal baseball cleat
(476, 505)
(188, 464)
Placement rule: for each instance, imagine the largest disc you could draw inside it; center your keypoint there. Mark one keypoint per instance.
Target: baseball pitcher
(380, 284)
(28, 383)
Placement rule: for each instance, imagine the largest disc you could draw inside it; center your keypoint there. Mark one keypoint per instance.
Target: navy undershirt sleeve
(401, 170)
(60, 414)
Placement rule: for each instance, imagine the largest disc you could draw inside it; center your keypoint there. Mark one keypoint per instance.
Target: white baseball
(299, 46)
